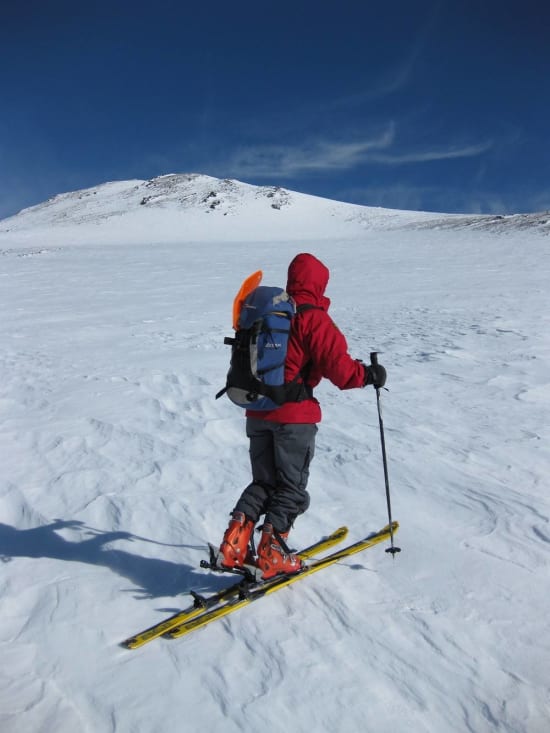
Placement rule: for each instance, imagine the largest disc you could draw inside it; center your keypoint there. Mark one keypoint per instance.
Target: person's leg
(294, 446)
(236, 549)
(255, 497)
(293, 449)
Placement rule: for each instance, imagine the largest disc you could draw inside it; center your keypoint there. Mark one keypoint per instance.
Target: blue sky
(439, 106)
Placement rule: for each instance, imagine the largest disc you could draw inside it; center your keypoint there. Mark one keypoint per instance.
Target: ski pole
(392, 549)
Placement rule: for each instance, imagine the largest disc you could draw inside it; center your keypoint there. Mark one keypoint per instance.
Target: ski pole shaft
(392, 549)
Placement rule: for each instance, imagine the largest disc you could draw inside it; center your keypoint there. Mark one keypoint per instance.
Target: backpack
(256, 377)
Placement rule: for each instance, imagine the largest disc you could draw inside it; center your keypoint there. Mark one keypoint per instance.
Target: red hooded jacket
(316, 345)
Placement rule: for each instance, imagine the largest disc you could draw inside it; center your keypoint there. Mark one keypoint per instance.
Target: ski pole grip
(374, 358)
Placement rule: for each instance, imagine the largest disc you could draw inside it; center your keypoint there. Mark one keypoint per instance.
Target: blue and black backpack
(256, 377)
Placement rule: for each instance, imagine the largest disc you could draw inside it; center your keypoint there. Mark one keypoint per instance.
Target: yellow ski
(276, 584)
(203, 605)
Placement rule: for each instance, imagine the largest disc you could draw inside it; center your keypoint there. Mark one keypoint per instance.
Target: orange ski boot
(234, 549)
(274, 558)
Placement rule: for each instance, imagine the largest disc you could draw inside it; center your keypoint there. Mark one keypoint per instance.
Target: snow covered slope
(118, 466)
(176, 208)
(198, 208)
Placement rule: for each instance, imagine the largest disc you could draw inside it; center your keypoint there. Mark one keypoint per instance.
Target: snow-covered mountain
(197, 208)
(176, 208)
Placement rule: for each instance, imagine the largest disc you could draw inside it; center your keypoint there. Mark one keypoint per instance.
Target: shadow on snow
(152, 577)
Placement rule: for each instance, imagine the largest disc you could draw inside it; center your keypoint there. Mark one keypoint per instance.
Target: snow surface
(118, 466)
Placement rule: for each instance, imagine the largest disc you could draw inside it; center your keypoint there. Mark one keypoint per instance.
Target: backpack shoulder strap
(303, 374)
(307, 307)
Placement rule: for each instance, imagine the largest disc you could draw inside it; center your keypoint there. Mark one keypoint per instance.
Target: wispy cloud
(265, 161)
(418, 197)
(437, 153)
(448, 199)
(389, 83)
(321, 155)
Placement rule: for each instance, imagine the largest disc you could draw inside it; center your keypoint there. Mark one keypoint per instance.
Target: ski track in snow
(119, 465)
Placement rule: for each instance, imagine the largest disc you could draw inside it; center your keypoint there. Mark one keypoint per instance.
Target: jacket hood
(307, 280)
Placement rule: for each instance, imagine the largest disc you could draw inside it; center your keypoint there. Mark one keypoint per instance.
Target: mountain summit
(195, 207)
(199, 208)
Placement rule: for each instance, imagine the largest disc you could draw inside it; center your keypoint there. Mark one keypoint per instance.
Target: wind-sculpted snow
(499, 224)
(118, 466)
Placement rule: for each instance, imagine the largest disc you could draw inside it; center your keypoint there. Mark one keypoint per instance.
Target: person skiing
(282, 440)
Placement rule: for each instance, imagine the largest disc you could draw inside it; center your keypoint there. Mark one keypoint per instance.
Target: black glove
(375, 374)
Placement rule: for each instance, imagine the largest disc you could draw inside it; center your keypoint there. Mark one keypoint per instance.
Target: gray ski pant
(280, 454)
